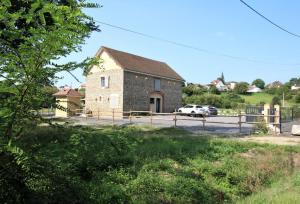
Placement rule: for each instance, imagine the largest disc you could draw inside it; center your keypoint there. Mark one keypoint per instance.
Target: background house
(275, 84)
(219, 85)
(125, 82)
(68, 101)
(295, 87)
(231, 85)
(254, 89)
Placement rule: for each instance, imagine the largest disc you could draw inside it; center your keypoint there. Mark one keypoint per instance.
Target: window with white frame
(157, 84)
(104, 81)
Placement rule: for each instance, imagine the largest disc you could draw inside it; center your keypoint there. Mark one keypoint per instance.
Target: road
(195, 125)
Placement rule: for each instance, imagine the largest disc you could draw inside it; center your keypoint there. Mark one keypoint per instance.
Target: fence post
(280, 122)
(175, 119)
(151, 117)
(130, 120)
(240, 122)
(113, 116)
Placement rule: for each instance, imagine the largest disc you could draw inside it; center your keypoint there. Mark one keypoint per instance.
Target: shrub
(213, 90)
(261, 126)
(210, 99)
(193, 89)
(228, 100)
(297, 98)
(241, 88)
(276, 100)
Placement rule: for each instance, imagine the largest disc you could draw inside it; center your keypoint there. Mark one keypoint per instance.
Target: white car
(194, 110)
(211, 110)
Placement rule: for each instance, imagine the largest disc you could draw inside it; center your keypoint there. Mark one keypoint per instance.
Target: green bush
(276, 100)
(297, 98)
(228, 100)
(209, 99)
(241, 88)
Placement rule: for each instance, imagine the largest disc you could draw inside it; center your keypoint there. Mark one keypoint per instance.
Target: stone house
(124, 82)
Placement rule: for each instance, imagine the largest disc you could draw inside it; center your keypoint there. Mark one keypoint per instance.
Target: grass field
(256, 98)
(284, 191)
(143, 165)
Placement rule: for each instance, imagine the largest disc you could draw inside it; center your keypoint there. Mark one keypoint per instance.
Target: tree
(259, 83)
(33, 35)
(241, 88)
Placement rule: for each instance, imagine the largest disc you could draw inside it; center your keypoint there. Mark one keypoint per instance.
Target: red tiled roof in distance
(67, 92)
(131, 62)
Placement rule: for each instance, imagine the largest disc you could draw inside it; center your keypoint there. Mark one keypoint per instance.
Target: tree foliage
(33, 36)
(193, 89)
(259, 83)
(241, 88)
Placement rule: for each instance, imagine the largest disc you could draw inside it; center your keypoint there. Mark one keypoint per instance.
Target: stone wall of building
(139, 87)
(97, 98)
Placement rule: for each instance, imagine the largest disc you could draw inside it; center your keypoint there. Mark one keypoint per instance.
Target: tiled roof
(67, 92)
(140, 64)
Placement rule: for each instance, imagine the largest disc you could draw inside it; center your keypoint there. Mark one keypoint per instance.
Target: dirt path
(279, 140)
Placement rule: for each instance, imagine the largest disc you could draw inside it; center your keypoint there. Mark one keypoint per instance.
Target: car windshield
(198, 106)
(188, 106)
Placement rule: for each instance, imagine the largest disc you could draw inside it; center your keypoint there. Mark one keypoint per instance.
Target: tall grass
(133, 165)
(284, 191)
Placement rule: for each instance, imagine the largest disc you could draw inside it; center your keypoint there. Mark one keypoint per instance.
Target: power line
(192, 47)
(278, 26)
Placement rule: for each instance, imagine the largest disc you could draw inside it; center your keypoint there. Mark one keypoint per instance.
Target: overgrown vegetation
(132, 165)
(286, 190)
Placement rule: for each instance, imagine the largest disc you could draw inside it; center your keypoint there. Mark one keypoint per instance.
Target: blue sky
(216, 25)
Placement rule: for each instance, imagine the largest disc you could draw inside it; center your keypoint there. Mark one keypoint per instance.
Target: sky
(219, 26)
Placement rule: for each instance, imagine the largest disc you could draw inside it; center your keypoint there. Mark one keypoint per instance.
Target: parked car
(211, 110)
(194, 110)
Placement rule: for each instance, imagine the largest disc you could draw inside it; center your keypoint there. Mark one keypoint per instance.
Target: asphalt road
(212, 124)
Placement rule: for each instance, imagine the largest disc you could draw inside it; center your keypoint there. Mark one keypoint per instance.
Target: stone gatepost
(266, 113)
(277, 119)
